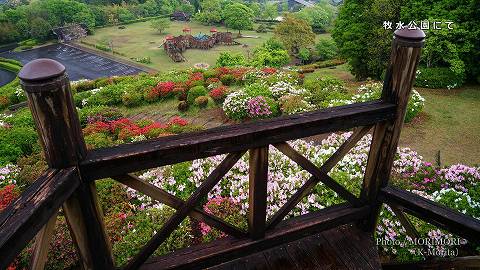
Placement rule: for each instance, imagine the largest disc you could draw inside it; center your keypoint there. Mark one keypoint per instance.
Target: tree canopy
(362, 39)
(239, 17)
(160, 25)
(320, 16)
(294, 33)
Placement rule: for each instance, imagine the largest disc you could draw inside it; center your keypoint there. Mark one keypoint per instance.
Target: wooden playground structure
(175, 46)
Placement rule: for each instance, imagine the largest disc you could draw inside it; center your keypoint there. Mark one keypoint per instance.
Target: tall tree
(294, 33)
(239, 17)
(160, 25)
(361, 37)
(210, 12)
(320, 16)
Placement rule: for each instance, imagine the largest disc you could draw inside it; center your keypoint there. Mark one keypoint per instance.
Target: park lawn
(140, 40)
(450, 123)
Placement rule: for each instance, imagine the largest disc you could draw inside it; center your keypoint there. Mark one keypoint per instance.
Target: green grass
(341, 72)
(450, 123)
(140, 40)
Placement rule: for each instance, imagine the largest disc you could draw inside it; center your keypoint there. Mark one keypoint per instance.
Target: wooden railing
(70, 181)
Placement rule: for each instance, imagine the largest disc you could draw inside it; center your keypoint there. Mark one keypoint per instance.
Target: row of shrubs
(321, 64)
(11, 93)
(438, 77)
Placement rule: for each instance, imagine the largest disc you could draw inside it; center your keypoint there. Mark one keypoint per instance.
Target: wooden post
(49, 97)
(406, 48)
(257, 196)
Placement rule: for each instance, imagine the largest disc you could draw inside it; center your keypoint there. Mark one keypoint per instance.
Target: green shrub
(440, 77)
(274, 107)
(102, 82)
(111, 95)
(21, 118)
(258, 89)
(84, 86)
(10, 67)
(262, 28)
(227, 79)
(230, 59)
(321, 88)
(209, 73)
(98, 113)
(32, 167)
(201, 101)
(98, 140)
(79, 98)
(132, 99)
(326, 49)
(144, 225)
(16, 142)
(196, 92)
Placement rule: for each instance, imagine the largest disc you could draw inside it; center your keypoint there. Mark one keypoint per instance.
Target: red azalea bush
(7, 195)
(177, 120)
(165, 89)
(269, 70)
(126, 130)
(218, 94)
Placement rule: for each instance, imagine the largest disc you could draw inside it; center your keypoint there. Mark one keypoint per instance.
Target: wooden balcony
(338, 237)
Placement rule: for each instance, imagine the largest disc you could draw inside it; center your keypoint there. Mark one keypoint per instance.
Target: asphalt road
(6, 77)
(79, 64)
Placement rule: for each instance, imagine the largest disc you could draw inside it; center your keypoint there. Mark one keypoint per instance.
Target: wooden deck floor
(344, 247)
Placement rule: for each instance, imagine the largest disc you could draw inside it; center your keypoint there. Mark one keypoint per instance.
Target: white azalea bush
(373, 90)
(293, 95)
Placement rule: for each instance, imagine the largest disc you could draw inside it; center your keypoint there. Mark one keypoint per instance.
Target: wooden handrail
(432, 212)
(21, 220)
(127, 158)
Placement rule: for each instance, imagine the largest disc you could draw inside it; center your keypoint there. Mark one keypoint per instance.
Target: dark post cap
(40, 70)
(410, 34)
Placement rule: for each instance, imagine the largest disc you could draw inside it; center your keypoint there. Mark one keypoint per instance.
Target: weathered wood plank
(405, 54)
(28, 214)
(42, 244)
(172, 223)
(85, 220)
(257, 194)
(229, 248)
(129, 158)
(319, 174)
(162, 196)
(322, 171)
(434, 213)
(47, 88)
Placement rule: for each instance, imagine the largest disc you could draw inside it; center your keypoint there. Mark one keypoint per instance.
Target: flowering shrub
(372, 91)
(8, 175)
(101, 134)
(7, 195)
(218, 94)
(258, 107)
(291, 104)
(226, 209)
(235, 105)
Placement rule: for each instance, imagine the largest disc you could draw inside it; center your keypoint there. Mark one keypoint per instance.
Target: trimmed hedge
(438, 77)
(13, 67)
(322, 64)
